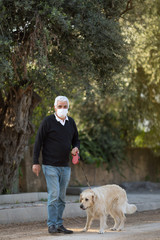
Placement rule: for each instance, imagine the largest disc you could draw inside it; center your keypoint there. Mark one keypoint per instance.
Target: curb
(29, 207)
(37, 213)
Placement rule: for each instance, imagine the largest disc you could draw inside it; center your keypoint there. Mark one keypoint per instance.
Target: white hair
(62, 99)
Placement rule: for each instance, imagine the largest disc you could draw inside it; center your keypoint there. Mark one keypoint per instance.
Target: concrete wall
(141, 165)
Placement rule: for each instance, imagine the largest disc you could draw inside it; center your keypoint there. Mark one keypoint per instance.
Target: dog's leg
(116, 222)
(119, 219)
(102, 223)
(114, 214)
(88, 222)
(122, 220)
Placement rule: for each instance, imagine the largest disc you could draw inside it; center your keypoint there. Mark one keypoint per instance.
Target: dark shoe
(62, 229)
(52, 229)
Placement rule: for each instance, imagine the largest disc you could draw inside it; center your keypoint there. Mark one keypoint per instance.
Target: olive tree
(48, 48)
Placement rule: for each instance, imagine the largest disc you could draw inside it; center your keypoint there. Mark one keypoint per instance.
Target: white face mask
(62, 113)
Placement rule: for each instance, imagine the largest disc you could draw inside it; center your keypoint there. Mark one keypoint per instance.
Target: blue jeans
(57, 179)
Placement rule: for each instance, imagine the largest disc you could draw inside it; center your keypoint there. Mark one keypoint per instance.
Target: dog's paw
(84, 230)
(119, 229)
(101, 231)
(113, 229)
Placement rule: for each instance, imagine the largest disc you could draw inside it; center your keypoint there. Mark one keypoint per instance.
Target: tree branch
(128, 7)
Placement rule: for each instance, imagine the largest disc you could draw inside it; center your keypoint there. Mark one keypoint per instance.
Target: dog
(99, 202)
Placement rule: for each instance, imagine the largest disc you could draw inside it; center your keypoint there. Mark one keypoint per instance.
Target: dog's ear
(80, 199)
(93, 197)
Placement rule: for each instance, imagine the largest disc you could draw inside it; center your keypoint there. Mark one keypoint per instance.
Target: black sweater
(56, 141)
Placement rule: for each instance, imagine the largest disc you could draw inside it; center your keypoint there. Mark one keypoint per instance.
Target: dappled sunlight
(96, 230)
(80, 230)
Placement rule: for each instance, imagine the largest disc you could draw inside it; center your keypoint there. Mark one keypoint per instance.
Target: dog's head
(87, 199)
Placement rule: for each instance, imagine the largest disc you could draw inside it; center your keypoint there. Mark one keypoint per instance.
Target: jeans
(57, 179)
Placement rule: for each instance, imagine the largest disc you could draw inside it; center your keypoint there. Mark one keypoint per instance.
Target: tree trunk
(15, 130)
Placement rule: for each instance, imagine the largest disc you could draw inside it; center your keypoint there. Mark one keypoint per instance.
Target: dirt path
(141, 224)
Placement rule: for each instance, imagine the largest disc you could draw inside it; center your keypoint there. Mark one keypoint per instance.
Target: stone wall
(141, 165)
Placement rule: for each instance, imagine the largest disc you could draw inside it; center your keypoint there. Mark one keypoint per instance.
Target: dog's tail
(130, 208)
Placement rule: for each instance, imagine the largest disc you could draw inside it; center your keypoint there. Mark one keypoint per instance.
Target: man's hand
(74, 151)
(36, 168)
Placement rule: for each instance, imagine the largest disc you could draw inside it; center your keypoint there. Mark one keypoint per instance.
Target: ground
(139, 226)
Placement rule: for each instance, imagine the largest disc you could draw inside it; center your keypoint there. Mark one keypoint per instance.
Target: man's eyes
(60, 106)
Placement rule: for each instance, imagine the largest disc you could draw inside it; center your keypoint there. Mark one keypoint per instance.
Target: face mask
(62, 113)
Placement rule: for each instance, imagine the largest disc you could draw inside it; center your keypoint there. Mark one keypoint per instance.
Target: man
(56, 135)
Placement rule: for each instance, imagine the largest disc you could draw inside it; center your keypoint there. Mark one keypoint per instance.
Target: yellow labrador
(99, 202)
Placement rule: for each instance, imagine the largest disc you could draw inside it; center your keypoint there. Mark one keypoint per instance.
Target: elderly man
(56, 135)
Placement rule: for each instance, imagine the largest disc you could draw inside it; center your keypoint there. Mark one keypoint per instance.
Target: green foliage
(104, 148)
(100, 131)
(56, 45)
(140, 102)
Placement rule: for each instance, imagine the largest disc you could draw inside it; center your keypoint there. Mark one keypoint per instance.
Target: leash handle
(75, 159)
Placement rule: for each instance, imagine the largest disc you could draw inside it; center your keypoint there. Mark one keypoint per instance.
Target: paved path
(138, 226)
(149, 231)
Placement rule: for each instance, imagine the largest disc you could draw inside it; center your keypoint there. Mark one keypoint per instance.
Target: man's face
(61, 105)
